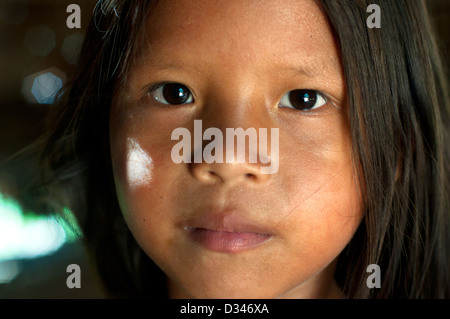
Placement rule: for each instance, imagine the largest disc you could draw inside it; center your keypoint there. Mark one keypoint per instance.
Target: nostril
(213, 176)
(212, 173)
(207, 176)
(229, 173)
(250, 176)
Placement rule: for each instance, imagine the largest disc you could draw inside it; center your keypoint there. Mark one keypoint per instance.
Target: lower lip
(227, 242)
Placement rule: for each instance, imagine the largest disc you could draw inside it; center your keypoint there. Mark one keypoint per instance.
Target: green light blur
(30, 235)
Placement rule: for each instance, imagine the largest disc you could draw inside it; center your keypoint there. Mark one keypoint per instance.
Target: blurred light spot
(71, 47)
(43, 86)
(40, 40)
(8, 271)
(27, 236)
(69, 223)
(13, 12)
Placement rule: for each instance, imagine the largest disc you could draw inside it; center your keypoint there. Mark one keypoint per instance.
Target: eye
(303, 100)
(172, 94)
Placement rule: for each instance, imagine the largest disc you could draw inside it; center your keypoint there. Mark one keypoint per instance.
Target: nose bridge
(236, 98)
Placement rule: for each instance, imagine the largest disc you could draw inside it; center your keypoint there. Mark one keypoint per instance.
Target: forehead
(240, 33)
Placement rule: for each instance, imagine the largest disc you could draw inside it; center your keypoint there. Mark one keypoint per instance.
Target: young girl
(362, 117)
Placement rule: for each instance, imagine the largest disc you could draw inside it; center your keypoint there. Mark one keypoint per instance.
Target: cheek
(325, 202)
(138, 165)
(317, 163)
(321, 220)
(133, 169)
(141, 171)
(331, 215)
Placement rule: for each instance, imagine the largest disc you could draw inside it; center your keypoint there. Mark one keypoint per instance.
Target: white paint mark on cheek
(139, 165)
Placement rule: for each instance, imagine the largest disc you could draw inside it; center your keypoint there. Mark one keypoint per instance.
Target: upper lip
(227, 221)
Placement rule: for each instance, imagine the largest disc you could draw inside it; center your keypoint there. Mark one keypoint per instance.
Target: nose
(236, 121)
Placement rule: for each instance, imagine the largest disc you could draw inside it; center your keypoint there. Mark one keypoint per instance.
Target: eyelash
(182, 95)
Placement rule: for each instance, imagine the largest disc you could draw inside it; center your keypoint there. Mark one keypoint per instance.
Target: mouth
(227, 232)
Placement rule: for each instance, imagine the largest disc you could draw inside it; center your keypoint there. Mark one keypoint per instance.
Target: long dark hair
(400, 121)
(399, 110)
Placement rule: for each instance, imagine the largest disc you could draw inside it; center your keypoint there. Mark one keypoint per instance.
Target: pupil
(303, 99)
(175, 93)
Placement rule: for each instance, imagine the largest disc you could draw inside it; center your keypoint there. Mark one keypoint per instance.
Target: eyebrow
(302, 70)
(319, 67)
(311, 70)
(162, 65)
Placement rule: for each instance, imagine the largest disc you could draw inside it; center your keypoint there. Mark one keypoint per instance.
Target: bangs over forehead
(120, 24)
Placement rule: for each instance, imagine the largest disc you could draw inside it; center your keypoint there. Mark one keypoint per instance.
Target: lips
(227, 232)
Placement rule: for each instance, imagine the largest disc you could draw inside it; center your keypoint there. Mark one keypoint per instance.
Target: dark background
(24, 53)
(21, 121)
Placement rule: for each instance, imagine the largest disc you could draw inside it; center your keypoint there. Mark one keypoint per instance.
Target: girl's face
(227, 230)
